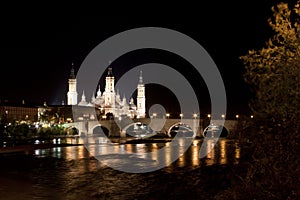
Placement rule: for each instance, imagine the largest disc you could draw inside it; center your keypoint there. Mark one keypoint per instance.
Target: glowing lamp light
(70, 119)
(223, 116)
(195, 115)
(208, 115)
(251, 116)
(237, 116)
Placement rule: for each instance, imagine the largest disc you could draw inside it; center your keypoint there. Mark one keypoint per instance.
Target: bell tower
(109, 88)
(72, 93)
(141, 99)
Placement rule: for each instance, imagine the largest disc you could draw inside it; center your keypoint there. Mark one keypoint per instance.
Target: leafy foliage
(274, 71)
(269, 166)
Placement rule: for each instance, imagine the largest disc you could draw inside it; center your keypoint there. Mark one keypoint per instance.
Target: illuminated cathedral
(110, 101)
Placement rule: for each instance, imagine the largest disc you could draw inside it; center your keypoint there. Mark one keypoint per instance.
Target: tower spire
(83, 96)
(72, 74)
(99, 92)
(141, 77)
(109, 72)
(93, 98)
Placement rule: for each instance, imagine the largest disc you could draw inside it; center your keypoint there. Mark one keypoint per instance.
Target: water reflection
(73, 173)
(237, 151)
(216, 153)
(147, 154)
(210, 150)
(195, 153)
(223, 159)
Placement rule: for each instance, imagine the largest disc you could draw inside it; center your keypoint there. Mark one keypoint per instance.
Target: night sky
(37, 50)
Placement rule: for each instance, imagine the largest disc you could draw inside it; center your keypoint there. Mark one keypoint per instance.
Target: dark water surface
(72, 173)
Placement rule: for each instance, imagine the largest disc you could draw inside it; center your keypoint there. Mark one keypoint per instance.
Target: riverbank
(29, 148)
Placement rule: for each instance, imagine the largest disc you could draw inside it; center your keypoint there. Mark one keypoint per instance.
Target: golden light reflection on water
(210, 150)
(237, 151)
(195, 154)
(129, 148)
(80, 153)
(181, 161)
(72, 140)
(168, 158)
(162, 153)
(154, 153)
(167, 144)
(223, 159)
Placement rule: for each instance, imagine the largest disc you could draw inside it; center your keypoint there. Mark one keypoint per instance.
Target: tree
(272, 162)
(274, 71)
(22, 131)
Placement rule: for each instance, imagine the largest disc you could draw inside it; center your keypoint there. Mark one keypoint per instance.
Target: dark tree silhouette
(269, 168)
(274, 71)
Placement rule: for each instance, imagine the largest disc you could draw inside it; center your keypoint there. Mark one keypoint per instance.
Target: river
(74, 173)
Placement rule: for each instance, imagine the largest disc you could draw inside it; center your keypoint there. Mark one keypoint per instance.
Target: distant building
(110, 101)
(55, 113)
(19, 112)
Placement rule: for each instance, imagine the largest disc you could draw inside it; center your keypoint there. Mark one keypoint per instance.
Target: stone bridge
(117, 128)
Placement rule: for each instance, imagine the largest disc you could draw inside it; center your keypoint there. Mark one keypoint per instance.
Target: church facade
(110, 101)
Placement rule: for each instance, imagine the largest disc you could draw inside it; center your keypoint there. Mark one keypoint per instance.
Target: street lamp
(181, 115)
(168, 115)
(195, 115)
(154, 115)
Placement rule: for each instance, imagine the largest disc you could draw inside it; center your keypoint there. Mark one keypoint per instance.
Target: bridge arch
(181, 129)
(138, 129)
(72, 130)
(212, 129)
(100, 130)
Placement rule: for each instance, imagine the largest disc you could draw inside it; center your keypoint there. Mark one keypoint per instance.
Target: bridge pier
(122, 134)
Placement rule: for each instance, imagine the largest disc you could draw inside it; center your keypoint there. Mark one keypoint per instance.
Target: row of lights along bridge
(195, 116)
